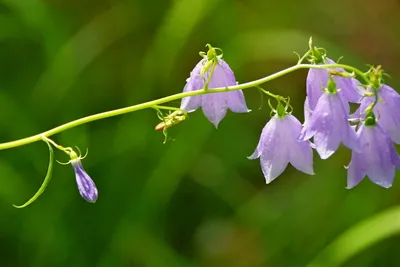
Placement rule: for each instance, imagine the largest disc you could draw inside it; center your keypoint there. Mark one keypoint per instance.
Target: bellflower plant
(213, 72)
(377, 159)
(329, 124)
(330, 87)
(279, 145)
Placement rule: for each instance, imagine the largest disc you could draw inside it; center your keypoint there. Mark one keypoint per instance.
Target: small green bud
(281, 110)
(370, 119)
(331, 86)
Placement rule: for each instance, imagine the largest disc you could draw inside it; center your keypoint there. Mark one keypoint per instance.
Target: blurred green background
(197, 200)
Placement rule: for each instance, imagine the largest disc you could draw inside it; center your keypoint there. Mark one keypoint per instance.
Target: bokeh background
(197, 200)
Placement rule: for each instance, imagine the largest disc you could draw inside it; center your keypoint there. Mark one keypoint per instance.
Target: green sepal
(46, 179)
(370, 119)
(281, 110)
(331, 86)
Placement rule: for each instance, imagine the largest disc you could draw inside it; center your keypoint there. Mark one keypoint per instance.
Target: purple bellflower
(377, 158)
(279, 145)
(387, 109)
(317, 80)
(213, 72)
(86, 186)
(329, 125)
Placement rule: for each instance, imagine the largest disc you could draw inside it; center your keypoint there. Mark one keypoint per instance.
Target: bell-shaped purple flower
(279, 145)
(85, 184)
(214, 105)
(317, 80)
(387, 110)
(377, 158)
(329, 126)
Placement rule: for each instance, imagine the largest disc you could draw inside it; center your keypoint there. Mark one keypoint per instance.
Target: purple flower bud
(377, 158)
(329, 126)
(214, 106)
(387, 110)
(86, 186)
(279, 145)
(317, 80)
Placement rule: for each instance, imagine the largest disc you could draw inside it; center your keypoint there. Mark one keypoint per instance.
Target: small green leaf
(46, 179)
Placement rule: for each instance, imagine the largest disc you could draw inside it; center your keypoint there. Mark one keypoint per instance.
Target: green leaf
(359, 237)
(46, 179)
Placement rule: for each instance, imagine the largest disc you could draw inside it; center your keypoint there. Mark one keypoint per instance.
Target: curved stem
(150, 104)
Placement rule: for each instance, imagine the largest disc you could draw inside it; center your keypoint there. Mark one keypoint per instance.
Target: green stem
(304, 56)
(150, 104)
(167, 108)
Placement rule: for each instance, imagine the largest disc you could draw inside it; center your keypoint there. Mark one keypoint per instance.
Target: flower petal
(355, 171)
(190, 103)
(267, 135)
(236, 102)
(316, 81)
(307, 111)
(300, 152)
(389, 112)
(328, 123)
(214, 107)
(377, 156)
(348, 88)
(86, 186)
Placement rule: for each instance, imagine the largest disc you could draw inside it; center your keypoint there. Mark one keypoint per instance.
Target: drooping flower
(279, 145)
(377, 158)
(86, 186)
(317, 80)
(387, 110)
(329, 125)
(217, 73)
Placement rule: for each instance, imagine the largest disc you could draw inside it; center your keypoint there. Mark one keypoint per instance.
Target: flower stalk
(160, 101)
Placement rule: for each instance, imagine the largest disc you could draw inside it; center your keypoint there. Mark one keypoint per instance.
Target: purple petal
(86, 186)
(191, 103)
(300, 152)
(223, 77)
(214, 107)
(267, 135)
(273, 156)
(355, 171)
(316, 81)
(328, 124)
(377, 155)
(350, 139)
(389, 112)
(236, 102)
(193, 83)
(307, 111)
(348, 88)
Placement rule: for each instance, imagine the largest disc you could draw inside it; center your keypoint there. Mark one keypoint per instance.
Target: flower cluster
(369, 132)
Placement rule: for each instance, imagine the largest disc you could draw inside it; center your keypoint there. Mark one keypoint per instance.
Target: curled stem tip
(46, 179)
